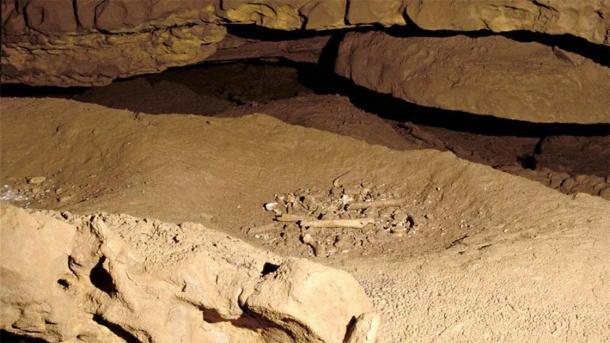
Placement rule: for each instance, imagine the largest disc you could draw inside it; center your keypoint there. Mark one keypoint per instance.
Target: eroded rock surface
(487, 75)
(112, 278)
(92, 42)
(589, 19)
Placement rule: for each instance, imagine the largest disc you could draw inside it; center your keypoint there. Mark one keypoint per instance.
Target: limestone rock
(299, 286)
(488, 75)
(234, 48)
(97, 59)
(84, 43)
(385, 12)
(364, 329)
(589, 19)
(118, 278)
(92, 42)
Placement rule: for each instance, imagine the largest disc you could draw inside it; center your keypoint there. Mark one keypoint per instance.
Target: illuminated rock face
(487, 75)
(589, 19)
(92, 42)
(114, 278)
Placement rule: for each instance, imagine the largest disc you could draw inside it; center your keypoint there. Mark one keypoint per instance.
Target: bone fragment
(291, 218)
(376, 204)
(340, 223)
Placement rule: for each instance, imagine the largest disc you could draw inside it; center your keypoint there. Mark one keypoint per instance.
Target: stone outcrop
(487, 75)
(235, 48)
(589, 19)
(92, 42)
(117, 278)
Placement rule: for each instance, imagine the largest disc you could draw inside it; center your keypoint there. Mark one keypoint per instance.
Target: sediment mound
(486, 255)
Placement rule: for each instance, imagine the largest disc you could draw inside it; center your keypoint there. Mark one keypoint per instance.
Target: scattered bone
(352, 213)
(344, 223)
(270, 206)
(273, 207)
(315, 246)
(36, 180)
(292, 218)
(336, 182)
(346, 199)
(376, 204)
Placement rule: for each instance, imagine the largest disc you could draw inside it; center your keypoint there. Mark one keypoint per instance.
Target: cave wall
(92, 42)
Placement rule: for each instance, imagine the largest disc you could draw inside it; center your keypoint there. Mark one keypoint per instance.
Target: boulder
(491, 75)
(119, 278)
(589, 19)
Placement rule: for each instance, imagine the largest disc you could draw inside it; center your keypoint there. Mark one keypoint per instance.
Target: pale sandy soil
(494, 257)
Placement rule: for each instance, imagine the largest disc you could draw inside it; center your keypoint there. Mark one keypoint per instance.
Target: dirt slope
(485, 240)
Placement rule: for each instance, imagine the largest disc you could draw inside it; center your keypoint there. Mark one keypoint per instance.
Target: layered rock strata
(92, 42)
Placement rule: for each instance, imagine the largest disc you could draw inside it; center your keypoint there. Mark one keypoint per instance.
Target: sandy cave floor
(568, 158)
(486, 255)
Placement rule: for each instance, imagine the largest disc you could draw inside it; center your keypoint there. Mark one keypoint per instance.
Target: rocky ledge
(92, 42)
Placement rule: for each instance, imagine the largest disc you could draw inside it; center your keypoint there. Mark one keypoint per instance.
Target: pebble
(36, 180)
(270, 206)
(64, 198)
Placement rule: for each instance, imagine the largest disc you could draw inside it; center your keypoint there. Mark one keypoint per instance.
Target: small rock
(364, 329)
(64, 198)
(66, 215)
(346, 199)
(410, 222)
(398, 230)
(270, 206)
(36, 180)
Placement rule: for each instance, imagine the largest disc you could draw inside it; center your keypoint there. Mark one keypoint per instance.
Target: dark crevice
(255, 32)
(63, 283)
(211, 315)
(269, 268)
(253, 321)
(598, 53)
(322, 80)
(76, 15)
(248, 320)
(101, 279)
(529, 161)
(116, 329)
(7, 337)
